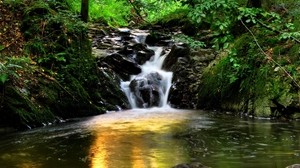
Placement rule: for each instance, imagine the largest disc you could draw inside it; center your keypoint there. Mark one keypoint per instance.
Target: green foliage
(270, 20)
(112, 12)
(53, 36)
(244, 74)
(14, 3)
(223, 16)
(9, 67)
(289, 35)
(161, 10)
(219, 14)
(1, 47)
(189, 41)
(58, 41)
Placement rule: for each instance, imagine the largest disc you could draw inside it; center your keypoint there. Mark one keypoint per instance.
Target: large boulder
(109, 92)
(178, 52)
(158, 39)
(120, 64)
(147, 90)
(138, 52)
(177, 61)
(187, 66)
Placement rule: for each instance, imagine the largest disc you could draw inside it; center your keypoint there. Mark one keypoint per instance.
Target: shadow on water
(155, 138)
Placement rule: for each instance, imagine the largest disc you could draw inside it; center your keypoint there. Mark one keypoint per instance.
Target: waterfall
(151, 87)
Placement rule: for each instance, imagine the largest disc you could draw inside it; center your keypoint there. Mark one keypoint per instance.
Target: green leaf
(226, 45)
(3, 78)
(221, 27)
(232, 79)
(1, 47)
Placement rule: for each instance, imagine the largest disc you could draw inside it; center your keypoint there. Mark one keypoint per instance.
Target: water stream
(159, 80)
(154, 138)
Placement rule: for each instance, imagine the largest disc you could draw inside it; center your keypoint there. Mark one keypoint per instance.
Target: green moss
(25, 109)
(262, 107)
(244, 74)
(294, 53)
(242, 43)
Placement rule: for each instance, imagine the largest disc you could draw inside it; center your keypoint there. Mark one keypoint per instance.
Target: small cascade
(151, 87)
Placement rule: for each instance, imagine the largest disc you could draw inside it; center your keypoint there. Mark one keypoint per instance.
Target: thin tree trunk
(85, 10)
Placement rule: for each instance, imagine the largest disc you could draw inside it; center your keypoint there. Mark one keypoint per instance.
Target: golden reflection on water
(136, 140)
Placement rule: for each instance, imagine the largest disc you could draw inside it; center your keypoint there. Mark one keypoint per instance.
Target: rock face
(178, 53)
(187, 66)
(111, 95)
(119, 55)
(147, 90)
(123, 66)
(177, 61)
(124, 52)
(121, 51)
(138, 52)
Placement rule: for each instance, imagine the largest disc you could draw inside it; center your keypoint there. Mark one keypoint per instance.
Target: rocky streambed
(121, 53)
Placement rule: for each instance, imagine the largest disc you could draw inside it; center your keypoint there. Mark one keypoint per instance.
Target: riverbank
(48, 72)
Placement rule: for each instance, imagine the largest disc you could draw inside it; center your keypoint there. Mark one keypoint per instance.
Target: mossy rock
(21, 110)
(74, 100)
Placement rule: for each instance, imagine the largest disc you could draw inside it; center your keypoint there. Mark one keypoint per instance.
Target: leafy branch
(254, 15)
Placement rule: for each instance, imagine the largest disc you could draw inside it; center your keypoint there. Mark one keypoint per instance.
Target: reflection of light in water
(22, 160)
(29, 165)
(135, 139)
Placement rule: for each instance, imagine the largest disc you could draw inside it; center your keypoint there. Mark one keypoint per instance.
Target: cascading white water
(154, 65)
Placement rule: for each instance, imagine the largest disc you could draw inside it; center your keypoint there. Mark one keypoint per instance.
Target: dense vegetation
(50, 72)
(47, 68)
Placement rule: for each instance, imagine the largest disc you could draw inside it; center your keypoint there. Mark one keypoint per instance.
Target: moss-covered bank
(257, 75)
(50, 74)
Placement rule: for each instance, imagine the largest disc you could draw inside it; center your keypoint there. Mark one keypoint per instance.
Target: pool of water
(155, 138)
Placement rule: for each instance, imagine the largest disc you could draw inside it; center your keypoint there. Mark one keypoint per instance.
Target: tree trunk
(85, 10)
(254, 3)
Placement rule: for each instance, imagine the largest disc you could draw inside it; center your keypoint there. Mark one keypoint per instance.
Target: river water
(155, 138)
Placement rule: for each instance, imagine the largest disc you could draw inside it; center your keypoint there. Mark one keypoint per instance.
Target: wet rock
(178, 52)
(181, 96)
(203, 55)
(127, 50)
(143, 53)
(158, 39)
(123, 66)
(142, 57)
(294, 166)
(187, 69)
(138, 52)
(178, 62)
(147, 90)
(109, 90)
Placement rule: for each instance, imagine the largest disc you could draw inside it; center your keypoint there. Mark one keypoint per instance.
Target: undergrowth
(56, 76)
